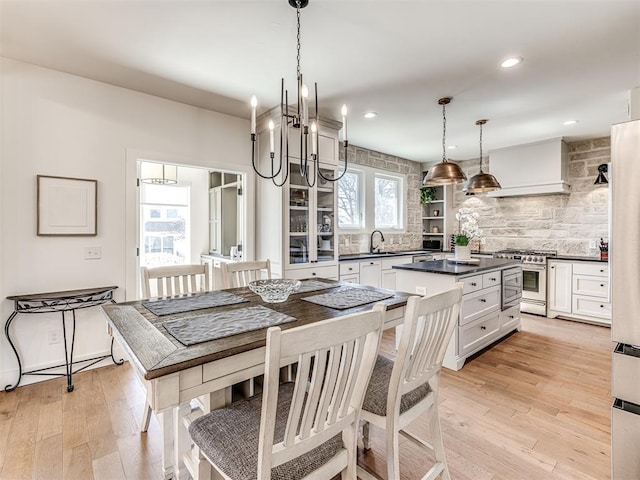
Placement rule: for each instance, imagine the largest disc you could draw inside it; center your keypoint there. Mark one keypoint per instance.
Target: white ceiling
(581, 59)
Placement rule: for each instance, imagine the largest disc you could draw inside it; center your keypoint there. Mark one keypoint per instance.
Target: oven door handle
(534, 268)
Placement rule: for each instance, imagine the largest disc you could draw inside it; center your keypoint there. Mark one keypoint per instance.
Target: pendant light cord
(298, 37)
(444, 133)
(481, 148)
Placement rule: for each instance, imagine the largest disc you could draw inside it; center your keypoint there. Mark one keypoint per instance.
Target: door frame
(132, 207)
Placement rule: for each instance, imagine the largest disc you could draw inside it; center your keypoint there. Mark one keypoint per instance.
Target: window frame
(367, 198)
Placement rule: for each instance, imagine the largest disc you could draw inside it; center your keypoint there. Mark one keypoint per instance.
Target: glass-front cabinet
(311, 220)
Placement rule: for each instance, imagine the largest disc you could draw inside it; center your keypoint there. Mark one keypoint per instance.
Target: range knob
(528, 259)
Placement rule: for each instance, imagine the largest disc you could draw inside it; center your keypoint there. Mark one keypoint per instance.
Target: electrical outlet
(53, 336)
(421, 290)
(592, 244)
(347, 242)
(92, 253)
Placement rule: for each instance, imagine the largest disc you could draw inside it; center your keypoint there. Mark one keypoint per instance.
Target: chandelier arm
(346, 166)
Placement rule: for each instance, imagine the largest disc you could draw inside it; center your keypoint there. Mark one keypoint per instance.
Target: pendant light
(481, 182)
(158, 173)
(445, 172)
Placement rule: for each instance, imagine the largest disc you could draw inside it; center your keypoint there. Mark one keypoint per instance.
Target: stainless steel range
(534, 277)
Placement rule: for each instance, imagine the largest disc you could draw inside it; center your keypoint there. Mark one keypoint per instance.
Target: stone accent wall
(565, 223)
(412, 238)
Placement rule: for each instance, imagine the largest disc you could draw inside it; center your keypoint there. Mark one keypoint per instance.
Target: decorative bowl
(276, 290)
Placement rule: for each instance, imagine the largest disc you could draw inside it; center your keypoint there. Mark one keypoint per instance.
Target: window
(350, 200)
(164, 219)
(388, 201)
(371, 199)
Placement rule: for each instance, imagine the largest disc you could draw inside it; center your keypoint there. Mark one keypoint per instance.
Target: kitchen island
(490, 303)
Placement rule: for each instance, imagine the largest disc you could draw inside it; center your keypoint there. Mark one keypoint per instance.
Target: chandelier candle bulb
(254, 104)
(272, 147)
(305, 105)
(344, 123)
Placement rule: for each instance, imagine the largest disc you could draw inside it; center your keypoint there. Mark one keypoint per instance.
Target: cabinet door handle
(350, 268)
(493, 279)
(371, 263)
(483, 327)
(601, 306)
(512, 316)
(601, 271)
(483, 300)
(553, 266)
(313, 273)
(473, 284)
(602, 284)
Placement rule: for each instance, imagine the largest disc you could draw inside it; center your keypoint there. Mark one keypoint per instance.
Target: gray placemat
(189, 303)
(203, 328)
(313, 285)
(347, 298)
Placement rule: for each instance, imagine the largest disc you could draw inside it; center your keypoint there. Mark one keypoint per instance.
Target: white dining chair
(169, 281)
(173, 280)
(402, 390)
(239, 274)
(304, 429)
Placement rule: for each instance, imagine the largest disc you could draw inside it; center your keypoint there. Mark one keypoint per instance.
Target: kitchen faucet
(371, 249)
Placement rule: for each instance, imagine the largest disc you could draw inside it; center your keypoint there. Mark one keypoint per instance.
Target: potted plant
(427, 195)
(467, 230)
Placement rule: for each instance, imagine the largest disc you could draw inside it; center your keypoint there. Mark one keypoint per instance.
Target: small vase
(462, 252)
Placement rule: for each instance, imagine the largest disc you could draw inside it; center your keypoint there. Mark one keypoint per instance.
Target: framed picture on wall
(67, 206)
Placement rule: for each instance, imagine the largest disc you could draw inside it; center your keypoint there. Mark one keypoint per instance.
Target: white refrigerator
(624, 260)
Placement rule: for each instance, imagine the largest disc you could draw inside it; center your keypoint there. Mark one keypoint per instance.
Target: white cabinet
(375, 272)
(560, 279)
(370, 273)
(296, 222)
(579, 290)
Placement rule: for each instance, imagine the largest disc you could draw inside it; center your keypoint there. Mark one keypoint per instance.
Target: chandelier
(481, 182)
(445, 172)
(299, 117)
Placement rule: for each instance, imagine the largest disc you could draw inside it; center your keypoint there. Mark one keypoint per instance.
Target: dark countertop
(449, 268)
(578, 258)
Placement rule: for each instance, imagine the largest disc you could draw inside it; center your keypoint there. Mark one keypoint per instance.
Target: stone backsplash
(412, 238)
(565, 223)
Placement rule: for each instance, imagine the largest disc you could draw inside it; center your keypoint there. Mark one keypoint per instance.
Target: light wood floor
(535, 406)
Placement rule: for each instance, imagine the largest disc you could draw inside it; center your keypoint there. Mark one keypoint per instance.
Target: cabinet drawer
(590, 285)
(591, 307)
(587, 268)
(478, 304)
(471, 284)
(478, 334)
(491, 279)
(351, 278)
(510, 318)
(330, 271)
(347, 268)
(625, 373)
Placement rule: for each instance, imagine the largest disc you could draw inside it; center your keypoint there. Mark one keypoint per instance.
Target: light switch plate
(92, 253)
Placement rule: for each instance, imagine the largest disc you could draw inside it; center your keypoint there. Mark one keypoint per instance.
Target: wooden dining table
(175, 374)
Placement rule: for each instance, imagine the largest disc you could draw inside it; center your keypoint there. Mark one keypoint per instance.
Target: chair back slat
(428, 325)
(335, 360)
(175, 280)
(239, 274)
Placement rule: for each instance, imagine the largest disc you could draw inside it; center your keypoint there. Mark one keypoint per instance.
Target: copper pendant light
(481, 182)
(445, 172)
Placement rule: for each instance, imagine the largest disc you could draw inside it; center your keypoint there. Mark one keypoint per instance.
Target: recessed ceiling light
(370, 114)
(511, 62)
(451, 147)
(570, 122)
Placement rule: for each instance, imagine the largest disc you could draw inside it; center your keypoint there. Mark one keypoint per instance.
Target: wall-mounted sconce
(602, 178)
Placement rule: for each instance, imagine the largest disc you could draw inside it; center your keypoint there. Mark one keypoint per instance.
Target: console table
(67, 301)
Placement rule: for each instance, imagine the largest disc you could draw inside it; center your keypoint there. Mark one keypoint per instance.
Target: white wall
(63, 125)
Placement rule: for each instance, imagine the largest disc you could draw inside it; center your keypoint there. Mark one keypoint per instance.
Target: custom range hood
(538, 168)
